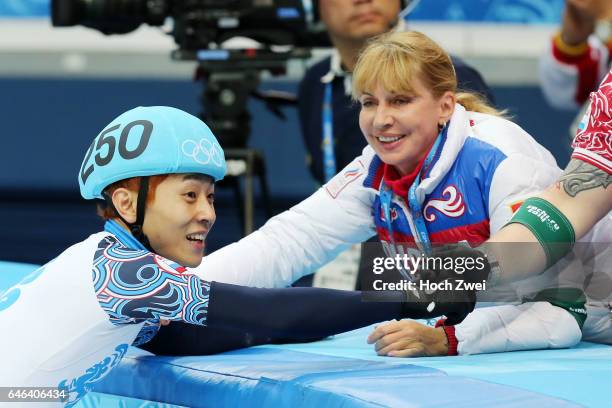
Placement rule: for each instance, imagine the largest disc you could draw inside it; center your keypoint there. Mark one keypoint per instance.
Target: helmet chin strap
(136, 228)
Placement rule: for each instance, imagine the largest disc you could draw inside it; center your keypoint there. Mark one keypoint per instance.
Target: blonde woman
(441, 167)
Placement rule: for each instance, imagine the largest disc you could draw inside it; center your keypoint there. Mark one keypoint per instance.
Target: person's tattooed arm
(580, 176)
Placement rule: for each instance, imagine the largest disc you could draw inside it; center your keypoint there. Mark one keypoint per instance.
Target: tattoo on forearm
(580, 176)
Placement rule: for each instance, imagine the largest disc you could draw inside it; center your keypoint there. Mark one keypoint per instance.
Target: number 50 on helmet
(147, 141)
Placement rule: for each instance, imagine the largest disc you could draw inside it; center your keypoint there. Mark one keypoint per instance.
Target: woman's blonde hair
(395, 59)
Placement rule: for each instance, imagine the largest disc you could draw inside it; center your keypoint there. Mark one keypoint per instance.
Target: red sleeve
(585, 59)
(593, 142)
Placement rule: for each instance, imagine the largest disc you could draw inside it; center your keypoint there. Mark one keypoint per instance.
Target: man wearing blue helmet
(73, 319)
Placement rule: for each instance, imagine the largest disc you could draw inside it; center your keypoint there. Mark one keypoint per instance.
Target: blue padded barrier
(580, 374)
(273, 376)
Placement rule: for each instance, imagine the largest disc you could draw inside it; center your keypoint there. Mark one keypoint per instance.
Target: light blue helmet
(147, 141)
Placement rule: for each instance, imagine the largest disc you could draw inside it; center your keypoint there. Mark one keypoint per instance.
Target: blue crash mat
(580, 374)
(317, 374)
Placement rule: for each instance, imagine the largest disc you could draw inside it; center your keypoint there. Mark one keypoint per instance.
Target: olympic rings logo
(203, 152)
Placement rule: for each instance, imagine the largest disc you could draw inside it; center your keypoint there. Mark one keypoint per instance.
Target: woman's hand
(407, 338)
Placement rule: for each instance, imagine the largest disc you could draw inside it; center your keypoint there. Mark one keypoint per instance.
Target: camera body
(199, 28)
(199, 24)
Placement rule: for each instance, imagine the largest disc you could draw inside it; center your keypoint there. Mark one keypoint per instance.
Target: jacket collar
(459, 130)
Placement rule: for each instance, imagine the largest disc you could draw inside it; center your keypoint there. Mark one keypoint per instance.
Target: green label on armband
(552, 229)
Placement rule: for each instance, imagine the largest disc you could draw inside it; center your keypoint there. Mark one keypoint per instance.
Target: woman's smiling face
(401, 127)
